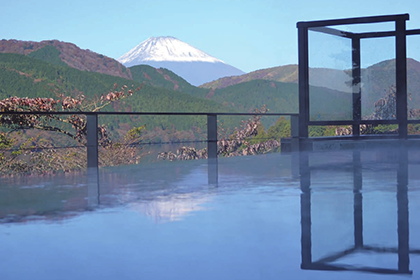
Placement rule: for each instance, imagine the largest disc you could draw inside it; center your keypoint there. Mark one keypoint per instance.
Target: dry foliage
(236, 144)
(20, 154)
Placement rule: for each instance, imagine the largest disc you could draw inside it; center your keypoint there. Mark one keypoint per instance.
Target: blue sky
(249, 35)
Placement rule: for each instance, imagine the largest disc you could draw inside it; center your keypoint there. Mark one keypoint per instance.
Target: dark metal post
(356, 81)
(303, 81)
(294, 127)
(92, 141)
(212, 148)
(401, 76)
(92, 160)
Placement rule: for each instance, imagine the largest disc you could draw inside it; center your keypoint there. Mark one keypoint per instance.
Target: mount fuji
(192, 64)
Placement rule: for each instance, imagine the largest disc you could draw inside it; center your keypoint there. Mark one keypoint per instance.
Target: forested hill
(23, 76)
(283, 98)
(62, 53)
(321, 77)
(280, 97)
(48, 73)
(164, 78)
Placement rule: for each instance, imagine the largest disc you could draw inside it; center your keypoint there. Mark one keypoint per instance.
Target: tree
(38, 154)
(240, 142)
(281, 129)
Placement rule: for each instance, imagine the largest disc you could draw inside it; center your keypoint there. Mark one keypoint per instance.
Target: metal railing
(212, 131)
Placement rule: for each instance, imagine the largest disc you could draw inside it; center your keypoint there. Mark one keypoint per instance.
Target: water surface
(343, 217)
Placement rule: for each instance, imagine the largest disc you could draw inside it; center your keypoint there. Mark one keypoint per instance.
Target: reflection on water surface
(349, 214)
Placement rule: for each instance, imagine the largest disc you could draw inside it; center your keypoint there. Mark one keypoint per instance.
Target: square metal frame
(323, 26)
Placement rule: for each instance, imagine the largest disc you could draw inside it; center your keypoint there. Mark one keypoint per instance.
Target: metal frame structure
(323, 26)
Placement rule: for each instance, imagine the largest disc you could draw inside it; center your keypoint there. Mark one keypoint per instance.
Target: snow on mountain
(192, 64)
(165, 49)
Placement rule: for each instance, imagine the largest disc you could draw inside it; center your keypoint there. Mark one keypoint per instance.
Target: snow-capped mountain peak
(165, 49)
(195, 66)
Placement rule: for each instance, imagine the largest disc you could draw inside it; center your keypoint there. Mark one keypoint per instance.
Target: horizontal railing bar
(43, 148)
(363, 35)
(412, 32)
(357, 20)
(148, 113)
(332, 31)
(380, 34)
(362, 137)
(350, 122)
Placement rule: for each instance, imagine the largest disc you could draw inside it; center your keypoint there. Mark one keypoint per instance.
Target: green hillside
(27, 77)
(245, 97)
(164, 78)
(24, 76)
(164, 92)
(283, 98)
(321, 77)
(48, 54)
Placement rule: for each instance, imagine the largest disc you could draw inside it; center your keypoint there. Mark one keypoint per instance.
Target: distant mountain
(165, 92)
(195, 66)
(378, 78)
(42, 69)
(246, 97)
(62, 53)
(165, 49)
(286, 74)
(376, 81)
(335, 79)
(164, 78)
(283, 98)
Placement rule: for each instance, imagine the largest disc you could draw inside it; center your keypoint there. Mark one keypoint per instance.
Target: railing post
(303, 66)
(357, 86)
(212, 148)
(401, 77)
(92, 140)
(294, 126)
(294, 130)
(92, 160)
(294, 144)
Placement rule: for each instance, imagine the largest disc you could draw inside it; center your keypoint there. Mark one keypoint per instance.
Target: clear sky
(249, 35)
